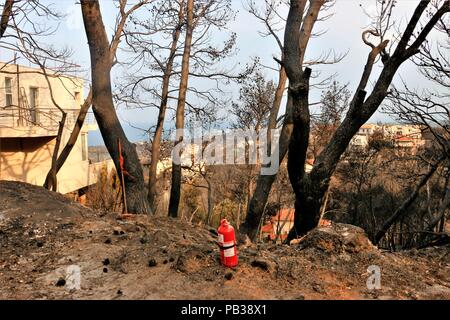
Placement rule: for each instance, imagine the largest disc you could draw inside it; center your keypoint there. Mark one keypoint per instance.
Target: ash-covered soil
(42, 234)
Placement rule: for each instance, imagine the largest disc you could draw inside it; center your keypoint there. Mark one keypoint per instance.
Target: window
(8, 92)
(77, 98)
(83, 147)
(34, 95)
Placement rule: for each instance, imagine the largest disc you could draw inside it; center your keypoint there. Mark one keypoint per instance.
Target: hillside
(42, 233)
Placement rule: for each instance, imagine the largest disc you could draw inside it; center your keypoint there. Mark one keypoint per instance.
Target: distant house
(402, 135)
(29, 123)
(279, 225)
(361, 138)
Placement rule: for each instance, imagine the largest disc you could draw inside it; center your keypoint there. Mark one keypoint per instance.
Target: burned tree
(429, 111)
(168, 18)
(105, 113)
(310, 188)
(156, 43)
(6, 14)
(175, 190)
(251, 111)
(269, 16)
(84, 108)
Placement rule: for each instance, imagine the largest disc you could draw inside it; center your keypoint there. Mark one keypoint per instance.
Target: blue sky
(343, 34)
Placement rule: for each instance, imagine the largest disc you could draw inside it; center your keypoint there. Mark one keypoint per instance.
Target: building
(402, 135)
(29, 123)
(361, 138)
(278, 227)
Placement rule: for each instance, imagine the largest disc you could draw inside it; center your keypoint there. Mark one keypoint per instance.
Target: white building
(402, 136)
(29, 124)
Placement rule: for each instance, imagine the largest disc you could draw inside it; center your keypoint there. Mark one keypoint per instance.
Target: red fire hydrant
(227, 244)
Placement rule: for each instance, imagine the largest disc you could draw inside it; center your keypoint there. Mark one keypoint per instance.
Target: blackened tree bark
(156, 143)
(65, 152)
(175, 191)
(298, 32)
(6, 14)
(265, 182)
(51, 181)
(123, 16)
(104, 111)
(310, 189)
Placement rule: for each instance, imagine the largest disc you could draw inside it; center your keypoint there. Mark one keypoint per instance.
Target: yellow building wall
(27, 156)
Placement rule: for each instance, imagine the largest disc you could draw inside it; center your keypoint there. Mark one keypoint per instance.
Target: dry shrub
(106, 194)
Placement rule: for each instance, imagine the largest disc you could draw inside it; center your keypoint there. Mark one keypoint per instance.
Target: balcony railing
(44, 117)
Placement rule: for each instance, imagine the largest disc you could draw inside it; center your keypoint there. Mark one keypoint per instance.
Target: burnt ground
(42, 233)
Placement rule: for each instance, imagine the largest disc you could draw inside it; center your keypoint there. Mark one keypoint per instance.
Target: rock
(338, 238)
(61, 282)
(181, 264)
(159, 236)
(119, 292)
(152, 263)
(243, 241)
(438, 290)
(106, 262)
(229, 275)
(318, 288)
(263, 264)
(108, 241)
(105, 270)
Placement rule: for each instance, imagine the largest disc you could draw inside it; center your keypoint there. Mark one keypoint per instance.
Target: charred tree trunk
(310, 189)
(279, 92)
(104, 110)
(65, 152)
(6, 14)
(308, 194)
(257, 203)
(175, 191)
(264, 182)
(156, 143)
(88, 101)
(51, 181)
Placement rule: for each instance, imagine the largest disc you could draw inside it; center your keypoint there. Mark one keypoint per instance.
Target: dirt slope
(42, 233)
